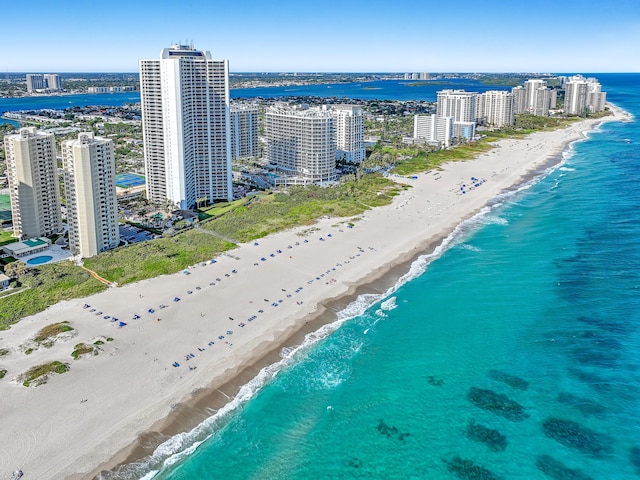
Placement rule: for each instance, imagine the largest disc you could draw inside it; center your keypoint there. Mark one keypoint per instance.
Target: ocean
(512, 352)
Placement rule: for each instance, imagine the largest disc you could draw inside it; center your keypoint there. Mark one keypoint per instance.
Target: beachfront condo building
(35, 82)
(301, 144)
(458, 104)
(89, 182)
(495, 108)
(433, 129)
(244, 131)
(53, 82)
(534, 98)
(583, 95)
(186, 127)
(32, 173)
(348, 124)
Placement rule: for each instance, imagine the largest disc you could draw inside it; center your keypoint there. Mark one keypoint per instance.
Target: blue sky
(329, 35)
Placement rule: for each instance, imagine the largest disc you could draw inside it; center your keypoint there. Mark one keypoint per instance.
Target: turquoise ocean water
(512, 353)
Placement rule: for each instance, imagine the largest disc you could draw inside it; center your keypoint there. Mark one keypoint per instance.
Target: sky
(329, 35)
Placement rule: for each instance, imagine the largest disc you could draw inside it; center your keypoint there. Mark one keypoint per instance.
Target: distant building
(35, 82)
(534, 98)
(458, 104)
(89, 181)
(425, 76)
(52, 81)
(244, 131)
(464, 130)
(348, 125)
(186, 126)
(583, 95)
(495, 108)
(433, 129)
(301, 144)
(33, 183)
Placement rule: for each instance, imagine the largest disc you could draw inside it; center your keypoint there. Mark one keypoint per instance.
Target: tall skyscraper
(35, 82)
(52, 82)
(186, 126)
(348, 124)
(583, 95)
(33, 183)
(495, 108)
(301, 143)
(534, 98)
(244, 131)
(458, 104)
(89, 183)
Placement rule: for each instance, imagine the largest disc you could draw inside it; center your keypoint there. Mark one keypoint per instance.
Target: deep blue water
(526, 324)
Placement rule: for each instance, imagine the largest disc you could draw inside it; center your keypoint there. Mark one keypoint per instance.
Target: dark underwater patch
(467, 470)
(552, 468)
(490, 437)
(511, 380)
(497, 403)
(573, 435)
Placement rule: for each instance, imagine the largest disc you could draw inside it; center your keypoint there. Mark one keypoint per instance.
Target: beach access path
(262, 293)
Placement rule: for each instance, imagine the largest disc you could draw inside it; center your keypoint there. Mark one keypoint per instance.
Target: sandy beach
(224, 321)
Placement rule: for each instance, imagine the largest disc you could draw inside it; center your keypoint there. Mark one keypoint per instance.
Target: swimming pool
(39, 260)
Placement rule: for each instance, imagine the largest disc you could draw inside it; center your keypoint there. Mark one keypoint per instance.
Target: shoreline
(191, 413)
(418, 227)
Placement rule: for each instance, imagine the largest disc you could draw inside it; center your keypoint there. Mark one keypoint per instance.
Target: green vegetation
(45, 334)
(28, 351)
(3, 372)
(221, 208)
(4, 351)
(303, 206)
(83, 349)
(48, 284)
(159, 257)
(39, 374)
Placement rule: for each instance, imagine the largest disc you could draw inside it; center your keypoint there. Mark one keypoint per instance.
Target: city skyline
(352, 36)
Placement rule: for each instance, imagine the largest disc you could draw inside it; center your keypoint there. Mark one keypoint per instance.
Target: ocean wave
(567, 169)
(466, 246)
(389, 304)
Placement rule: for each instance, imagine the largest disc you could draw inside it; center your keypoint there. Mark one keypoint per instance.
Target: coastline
(398, 234)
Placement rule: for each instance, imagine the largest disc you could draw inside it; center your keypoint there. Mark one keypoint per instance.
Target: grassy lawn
(158, 257)
(6, 238)
(303, 206)
(221, 208)
(48, 285)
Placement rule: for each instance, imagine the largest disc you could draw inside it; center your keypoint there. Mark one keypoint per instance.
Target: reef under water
(572, 434)
(497, 403)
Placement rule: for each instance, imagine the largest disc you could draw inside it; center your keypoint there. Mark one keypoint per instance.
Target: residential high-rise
(534, 98)
(186, 126)
(583, 95)
(433, 129)
(458, 104)
(35, 82)
(89, 182)
(52, 82)
(348, 123)
(244, 131)
(495, 108)
(301, 143)
(32, 172)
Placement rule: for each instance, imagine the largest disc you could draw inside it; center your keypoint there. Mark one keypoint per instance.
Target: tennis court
(5, 208)
(128, 180)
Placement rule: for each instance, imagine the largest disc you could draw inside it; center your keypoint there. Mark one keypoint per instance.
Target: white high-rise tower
(89, 184)
(186, 127)
(33, 183)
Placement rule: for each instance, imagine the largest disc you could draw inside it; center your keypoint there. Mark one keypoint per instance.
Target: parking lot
(132, 234)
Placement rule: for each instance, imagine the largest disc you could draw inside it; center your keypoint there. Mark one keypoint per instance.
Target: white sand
(49, 432)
